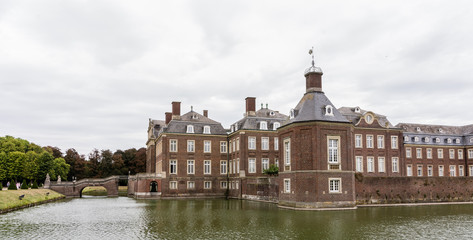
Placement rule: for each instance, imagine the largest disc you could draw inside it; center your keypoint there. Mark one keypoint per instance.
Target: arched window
(190, 129)
(276, 125)
(328, 110)
(206, 129)
(263, 125)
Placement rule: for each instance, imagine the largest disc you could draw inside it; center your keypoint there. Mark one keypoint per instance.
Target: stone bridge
(74, 188)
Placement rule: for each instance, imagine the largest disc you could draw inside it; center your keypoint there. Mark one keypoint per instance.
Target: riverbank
(10, 201)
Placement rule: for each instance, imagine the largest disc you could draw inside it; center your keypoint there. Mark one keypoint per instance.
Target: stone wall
(412, 189)
(262, 189)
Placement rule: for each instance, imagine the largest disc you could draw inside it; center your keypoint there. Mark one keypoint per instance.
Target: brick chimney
(176, 110)
(250, 106)
(168, 117)
(313, 81)
(206, 113)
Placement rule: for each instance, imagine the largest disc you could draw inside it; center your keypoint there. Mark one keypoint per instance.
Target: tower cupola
(313, 76)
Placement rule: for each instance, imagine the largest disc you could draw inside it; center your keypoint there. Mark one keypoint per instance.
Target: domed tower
(316, 170)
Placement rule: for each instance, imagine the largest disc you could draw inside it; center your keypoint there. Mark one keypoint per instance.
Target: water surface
(126, 218)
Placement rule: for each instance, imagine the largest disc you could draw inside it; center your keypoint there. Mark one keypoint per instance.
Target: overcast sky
(89, 74)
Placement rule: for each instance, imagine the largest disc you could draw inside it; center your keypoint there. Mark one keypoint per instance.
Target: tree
(139, 162)
(77, 164)
(118, 165)
(30, 169)
(15, 164)
(55, 151)
(45, 166)
(3, 165)
(94, 159)
(60, 167)
(105, 166)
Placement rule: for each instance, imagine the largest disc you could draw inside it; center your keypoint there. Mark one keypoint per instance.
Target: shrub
(24, 185)
(273, 170)
(12, 185)
(35, 185)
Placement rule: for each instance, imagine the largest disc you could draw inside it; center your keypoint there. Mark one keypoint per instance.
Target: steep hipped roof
(264, 114)
(312, 107)
(354, 114)
(198, 121)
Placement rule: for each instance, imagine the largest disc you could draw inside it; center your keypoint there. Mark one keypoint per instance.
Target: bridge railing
(89, 180)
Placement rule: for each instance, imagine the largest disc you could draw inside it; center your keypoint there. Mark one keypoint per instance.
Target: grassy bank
(9, 199)
(101, 191)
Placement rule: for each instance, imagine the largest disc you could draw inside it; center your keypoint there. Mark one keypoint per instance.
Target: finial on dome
(313, 68)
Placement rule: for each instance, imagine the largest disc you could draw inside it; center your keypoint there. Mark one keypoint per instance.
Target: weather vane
(311, 52)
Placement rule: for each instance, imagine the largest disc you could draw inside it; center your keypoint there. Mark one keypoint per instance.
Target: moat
(126, 218)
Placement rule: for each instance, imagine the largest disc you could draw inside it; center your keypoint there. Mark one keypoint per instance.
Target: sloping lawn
(10, 198)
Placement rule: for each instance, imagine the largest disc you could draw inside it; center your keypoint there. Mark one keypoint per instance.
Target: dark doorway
(153, 186)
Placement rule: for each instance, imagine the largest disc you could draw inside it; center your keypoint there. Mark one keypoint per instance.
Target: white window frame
(263, 125)
(451, 153)
(206, 129)
(207, 146)
(223, 166)
(470, 168)
(190, 167)
(380, 141)
(369, 141)
(358, 140)
(252, 143)
(333, 152)
(207, 184)
(359, 163)
(335, 185)
(172, 184)
(173, 145)
(419, 153)
(207, 167)
(287, 152)
(276, 143)
(430, 170)
(173, 162)
(461, 172)
(440, 153)
(190, 185)
(460, 154)
(470, 153)
(264, 143)
(381, 164)
(230, 166)
(409, 170)
(420, 170)
(264, 164)
(276, 125)
(370, 164)
(395, 164)
(394, 142)
(238, 144)
(452, 171)
(223, 184)
(190, 145)
(287, 185)
(408, 152)
(441, 171)
(223, 146)
(238, 166)
(429, 153)
(190, 129)
(251, 165)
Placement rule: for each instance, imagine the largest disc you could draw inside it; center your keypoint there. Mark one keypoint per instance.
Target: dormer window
(406, 139)
(449, 140)
(369, 118)
(357, 110)
(236, 126)
(437, 140)
(232, 129)
(263, 125)
(272, 113)
(457, 140)
(426, 139)
(206, 129)
(471, 140)
(440, 130)
(291, 114)
(328, 110)
(416, 139)
(190, 129)
(418, 129)
(195, 116)
(276, 125)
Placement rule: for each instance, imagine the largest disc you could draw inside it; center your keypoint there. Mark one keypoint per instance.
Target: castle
(327, 157)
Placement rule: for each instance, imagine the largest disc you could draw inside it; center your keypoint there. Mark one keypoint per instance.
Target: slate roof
(436, 129)
(157, 125)
(354, 117)
(264, 114)
(198, 121)
(312, 108)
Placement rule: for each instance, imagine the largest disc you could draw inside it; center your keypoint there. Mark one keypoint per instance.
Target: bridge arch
(74, 189)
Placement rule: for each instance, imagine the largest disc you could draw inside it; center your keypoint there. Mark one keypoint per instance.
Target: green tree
(30, 169)
(45, 166)
(3, 165)
(15, 164)
(61, 168)
(105, 166)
